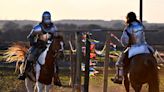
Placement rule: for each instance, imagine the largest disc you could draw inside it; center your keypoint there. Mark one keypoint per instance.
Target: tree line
(11, 32)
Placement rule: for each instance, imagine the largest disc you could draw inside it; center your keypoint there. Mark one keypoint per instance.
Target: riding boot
(119, 70)
(57, 81)
(22, 76)
(119, 76)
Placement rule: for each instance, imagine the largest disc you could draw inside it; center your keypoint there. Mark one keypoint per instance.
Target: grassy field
(9, 82)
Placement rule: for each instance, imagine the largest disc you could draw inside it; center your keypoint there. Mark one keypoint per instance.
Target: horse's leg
(154, 83)
(126, 83)
(47, 88)
(57, 80)
(126, 78)
(153, 87)
(56, 75)
(154, 79)
(35, 88)
(39, 86)
(21, 68)
(126, 66)
(29, 85)
(134, 78)
(136, 87)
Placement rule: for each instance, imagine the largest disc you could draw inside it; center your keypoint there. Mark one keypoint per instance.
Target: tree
(27, 27)
(10, 26)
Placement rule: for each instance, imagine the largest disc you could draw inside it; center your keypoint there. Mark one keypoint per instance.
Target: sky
(81, 9)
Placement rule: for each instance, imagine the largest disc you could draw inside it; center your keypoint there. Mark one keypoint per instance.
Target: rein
(55, 54)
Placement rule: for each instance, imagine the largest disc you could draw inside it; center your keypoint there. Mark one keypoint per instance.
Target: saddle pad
(43, 55)
(134, 50)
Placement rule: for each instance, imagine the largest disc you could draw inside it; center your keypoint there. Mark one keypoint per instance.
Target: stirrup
(21, 76)
(58, 83)
(116, 80)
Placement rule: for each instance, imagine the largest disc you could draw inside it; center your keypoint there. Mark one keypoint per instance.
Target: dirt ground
(9, 82)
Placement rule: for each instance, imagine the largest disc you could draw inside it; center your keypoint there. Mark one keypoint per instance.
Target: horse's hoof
(21, 77)
(58, 84)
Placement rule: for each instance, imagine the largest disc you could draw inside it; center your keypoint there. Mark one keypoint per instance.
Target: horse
(45, 69)
(142, 68)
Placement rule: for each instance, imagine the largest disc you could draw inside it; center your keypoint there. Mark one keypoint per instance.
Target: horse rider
(133, 39)
(41, 35)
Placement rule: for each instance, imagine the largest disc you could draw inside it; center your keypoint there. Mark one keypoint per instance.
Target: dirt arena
(9, 82)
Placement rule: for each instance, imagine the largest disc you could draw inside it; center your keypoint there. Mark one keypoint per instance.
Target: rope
(100, 52)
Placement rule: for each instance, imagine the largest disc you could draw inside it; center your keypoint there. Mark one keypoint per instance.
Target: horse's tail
(154, 81)
(16, 53)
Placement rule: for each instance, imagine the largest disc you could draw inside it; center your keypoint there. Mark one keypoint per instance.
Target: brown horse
(142, 69)
(45, 69)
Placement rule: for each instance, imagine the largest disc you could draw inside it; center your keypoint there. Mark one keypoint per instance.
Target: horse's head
(57, 47)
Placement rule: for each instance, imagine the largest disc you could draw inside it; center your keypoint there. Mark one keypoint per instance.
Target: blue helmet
(46, 17)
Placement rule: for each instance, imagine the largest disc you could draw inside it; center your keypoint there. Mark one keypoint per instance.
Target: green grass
(8, 80)
(1, 58)
(1, 52)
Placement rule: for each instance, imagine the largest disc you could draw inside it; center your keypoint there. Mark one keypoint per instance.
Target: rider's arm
(33, 36)
(125, 38)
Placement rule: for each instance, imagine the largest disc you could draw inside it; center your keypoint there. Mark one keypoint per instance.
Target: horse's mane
(59, 37)
(16, 52)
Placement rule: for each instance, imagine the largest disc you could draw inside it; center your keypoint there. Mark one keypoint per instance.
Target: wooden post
(73, 71)
(141, 10)
(87, 64)
(73, 65)
(78, 62)
(106, 63)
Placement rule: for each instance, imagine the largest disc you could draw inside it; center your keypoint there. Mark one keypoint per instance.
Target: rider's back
(134, 37)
